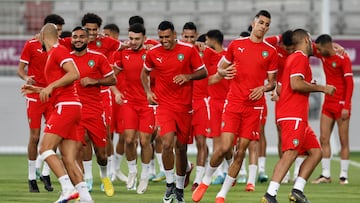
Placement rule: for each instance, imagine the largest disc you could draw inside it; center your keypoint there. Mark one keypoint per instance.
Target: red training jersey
(57, 56)
(131, 63)
(35, 57)
(338, 72)
(220, 89)
(182, 59)
(210, 59)
(293, 104)
(254, 61)
(93, 65)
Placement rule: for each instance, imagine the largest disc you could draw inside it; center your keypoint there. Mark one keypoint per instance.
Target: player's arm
(72, 74)
(225, 70)
(145, 81)
(298, 84)
(108, 80)
(29, 79)
(119, 97)
(197, 75)
(258, 92)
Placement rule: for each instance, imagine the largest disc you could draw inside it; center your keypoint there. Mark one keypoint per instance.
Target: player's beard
(79, 49)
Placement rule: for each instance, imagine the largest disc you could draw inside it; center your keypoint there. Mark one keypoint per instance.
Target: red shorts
(107, 104)
(35, 110)
(94, 125)
(216, 110)
(139, 118)
(297, 135)
(117, 118)
(332, 109)
(200, 118)
(243, 121)
(178, 122)
(64, 121)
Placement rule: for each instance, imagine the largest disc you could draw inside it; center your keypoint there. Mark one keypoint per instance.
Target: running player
(176, 65)
(245, 99)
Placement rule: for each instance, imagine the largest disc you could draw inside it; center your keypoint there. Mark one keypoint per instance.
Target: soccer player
(176, 64)
(95, 71)
(33, 57)
(156, 140)
(292, 117)
(115, 156)
(200, 102)
(106, 46)
(139, 115)
(255, 61)
(217, 94)
(335, 109)
(60, 74)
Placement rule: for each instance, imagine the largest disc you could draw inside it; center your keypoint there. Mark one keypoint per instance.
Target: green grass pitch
(14, 188)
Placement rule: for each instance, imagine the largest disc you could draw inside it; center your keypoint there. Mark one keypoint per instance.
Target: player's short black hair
(136, 19)
(201, 38)
(286, 37)
(65, 34)
(80, 28)
(263, 13)
(244, 34)
(323, 39)
(164, 25)
(137, 28)
(112, 27)
(298, 35)
(216, 35)
(91, 18)
(55, 19)
(189, 26)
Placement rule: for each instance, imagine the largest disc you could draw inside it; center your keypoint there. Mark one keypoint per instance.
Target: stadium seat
(178, 6)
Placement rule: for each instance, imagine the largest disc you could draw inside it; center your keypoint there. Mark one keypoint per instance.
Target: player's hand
(45, 94)
(330, 89)
(201, 45)
(345, 114)
(30, 79)
(86, 81)
(256, 93)
(119, 98)
(151, 97)
(181, 79)
(228, 73)
(29, 89)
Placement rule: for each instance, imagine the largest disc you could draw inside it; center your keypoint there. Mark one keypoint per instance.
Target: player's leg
(253, 158)
(343, 127)
(131, 154)
(87, 152)
(262, 177)
(69, 149)
(326, 126)
(146, 155)
(235, 168)
(312, 147)
(48, 143)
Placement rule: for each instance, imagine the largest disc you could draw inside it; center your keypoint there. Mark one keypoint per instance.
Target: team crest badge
(143, 57)
(98, 43)
(91, 63)
(180, 57)
(333, 64)
(265, 54)
(201, 54)
(295, 142)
